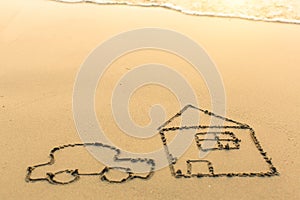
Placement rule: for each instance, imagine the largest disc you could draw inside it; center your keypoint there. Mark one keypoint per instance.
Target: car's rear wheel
(63, 177)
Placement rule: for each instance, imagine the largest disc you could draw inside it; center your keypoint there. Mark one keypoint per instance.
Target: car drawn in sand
(123, 169)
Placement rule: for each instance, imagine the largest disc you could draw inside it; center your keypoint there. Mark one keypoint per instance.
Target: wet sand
(43, 44)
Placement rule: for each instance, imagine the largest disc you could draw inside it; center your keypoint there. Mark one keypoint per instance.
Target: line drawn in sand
(223, 143)
(234, 151)
(119, 173)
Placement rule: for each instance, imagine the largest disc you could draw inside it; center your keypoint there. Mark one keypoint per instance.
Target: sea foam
(285, 11)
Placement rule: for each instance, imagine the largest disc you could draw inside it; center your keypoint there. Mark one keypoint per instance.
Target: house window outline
(235, 141)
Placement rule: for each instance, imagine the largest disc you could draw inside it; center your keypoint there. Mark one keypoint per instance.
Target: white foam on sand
(285, 11)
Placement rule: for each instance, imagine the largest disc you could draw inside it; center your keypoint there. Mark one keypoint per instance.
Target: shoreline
(182, 10)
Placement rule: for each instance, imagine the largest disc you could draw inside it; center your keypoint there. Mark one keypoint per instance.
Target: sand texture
(42, 46)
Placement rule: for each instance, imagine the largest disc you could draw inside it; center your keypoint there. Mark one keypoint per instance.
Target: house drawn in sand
(225, 148)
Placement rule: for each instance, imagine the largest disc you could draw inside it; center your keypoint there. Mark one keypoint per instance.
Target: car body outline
(76, 173)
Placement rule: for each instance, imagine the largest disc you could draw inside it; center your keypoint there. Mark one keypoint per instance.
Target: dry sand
(42, 45)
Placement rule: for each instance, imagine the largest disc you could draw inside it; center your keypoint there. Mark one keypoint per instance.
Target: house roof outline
(235, 124)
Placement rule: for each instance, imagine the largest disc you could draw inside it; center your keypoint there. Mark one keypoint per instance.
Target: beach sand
(42, 46)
